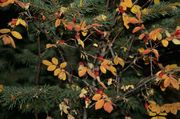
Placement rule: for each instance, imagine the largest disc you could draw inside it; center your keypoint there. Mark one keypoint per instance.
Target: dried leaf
(16, 34)
(108, 107)
(99, 104)
(97, 97)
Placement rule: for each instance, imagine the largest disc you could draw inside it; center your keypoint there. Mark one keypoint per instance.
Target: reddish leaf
(99, 104)
(108, 107)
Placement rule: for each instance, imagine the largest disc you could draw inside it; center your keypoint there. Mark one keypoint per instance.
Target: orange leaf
(46, 62)
(108, 107)
(103, 69)
(97, 97)
(141, 36)
(166, 82)
(133, 20)
(175, 83)
(136, 29)
(99, 104)
(147, 51)
(82, 70)
(156, 53)
(57, 22)
(63, 65)
(91, 73)
(70, 26)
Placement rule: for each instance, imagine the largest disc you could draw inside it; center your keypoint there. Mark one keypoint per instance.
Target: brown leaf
(99, 104)
(108, 107)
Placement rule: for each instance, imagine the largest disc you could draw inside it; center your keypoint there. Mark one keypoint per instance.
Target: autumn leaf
(57, 71)
(156, 53)
(112, 69)
(55, 61)
(156, 34)
(62, 75)
(136, 9)
(82, 70)
(97, 97)
(4, 30)
(6, 3)
(46, 62)
(103, 69)
(138, 28)
(51, 68)
(91, 73)
(84, 33)
(156, 1)
(175, 83)
(57, 22)
(63, 65)
(21, 22)
(16, 34)
(176, 41)
(167, 82)
(80, 42)
(108, 107)
(165, 42)
(99, 104)
(126, 4)
(117, 60)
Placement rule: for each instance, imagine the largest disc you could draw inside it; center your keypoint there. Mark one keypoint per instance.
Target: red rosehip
(43, 17)
(99, 91)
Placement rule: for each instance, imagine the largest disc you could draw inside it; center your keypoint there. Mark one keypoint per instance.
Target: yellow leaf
(84, 33)
(110, 81)
(156, 1)
(4, 30)
(136, 9)
(22, 22)
(103, 69)
(55, 61)
(16, 34)
(126, 4)
(151, 113)
(125, 20)
(1, 88)
(46, 62)
(80, 42)
(83, 93)
(63, 65)
(174, 110)
(12, 42)
(57, 22)
(62, 75)
(99, 104)
(57, 71)
(112, 70)
(51, 68)
(165, 42)
(176, 41)
(108, 107)
(97, 97)
(118, 60)
(82, 70)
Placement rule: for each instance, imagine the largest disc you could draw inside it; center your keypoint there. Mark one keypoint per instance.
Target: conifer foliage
(90, 59)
